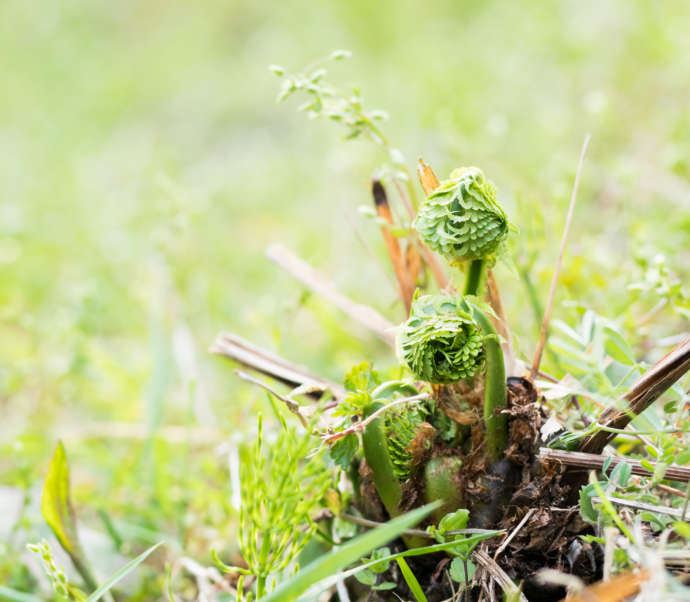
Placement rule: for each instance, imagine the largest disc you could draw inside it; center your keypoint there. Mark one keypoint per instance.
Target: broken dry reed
(596, 462)
(260, 360)
(643, 393)
(383, 209)
(554, 280)
(429, 182)
(300, 269)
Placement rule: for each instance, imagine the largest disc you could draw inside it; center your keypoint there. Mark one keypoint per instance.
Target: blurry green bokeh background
(145, 166)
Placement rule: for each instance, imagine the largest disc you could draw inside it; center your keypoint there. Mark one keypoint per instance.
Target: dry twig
(270, 364)
(596, 462)
(554, 280)
(499, 575)
(644, 391)
(365, 315)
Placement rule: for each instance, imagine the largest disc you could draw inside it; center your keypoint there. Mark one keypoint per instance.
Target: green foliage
(461, 570)
(440, 342)
(462, 219)
(162, 167)
(453, 521)
(343, 107)
(343, 450)
(359, 383)
(282, 485)
(327, 566)
(369, 576)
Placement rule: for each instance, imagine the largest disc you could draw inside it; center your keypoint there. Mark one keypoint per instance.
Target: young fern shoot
(463, 220)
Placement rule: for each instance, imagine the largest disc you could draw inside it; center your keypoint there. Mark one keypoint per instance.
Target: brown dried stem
(643, 393)
(405, 282)
(596, 462)
(270, 364)
(429, 183)
(554, 280)
(300, 269)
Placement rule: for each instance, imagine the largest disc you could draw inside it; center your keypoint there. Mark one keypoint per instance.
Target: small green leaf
(683, 529)
(344, 450)
(617, 347)
(621, 474)
(457, 572)
(339, 55)
(454, 521)
(586, 507)
(121, 574)
(366, 577)
(607, 464)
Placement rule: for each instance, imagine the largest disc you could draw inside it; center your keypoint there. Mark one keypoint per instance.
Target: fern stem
(441, 483)
(495, 392)
(474, 277)
(379, 460)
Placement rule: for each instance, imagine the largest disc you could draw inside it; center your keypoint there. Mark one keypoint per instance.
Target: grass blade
(411, 580)
(353, 550)
(124, 571)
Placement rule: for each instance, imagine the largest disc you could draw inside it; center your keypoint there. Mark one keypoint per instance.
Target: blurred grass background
(146, 166)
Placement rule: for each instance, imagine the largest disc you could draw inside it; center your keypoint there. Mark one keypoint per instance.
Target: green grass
(145, 167)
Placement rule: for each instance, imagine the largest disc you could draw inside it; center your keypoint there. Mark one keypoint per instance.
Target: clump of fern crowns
(441, 342)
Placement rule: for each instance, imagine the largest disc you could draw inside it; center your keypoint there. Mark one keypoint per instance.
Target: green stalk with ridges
(379, 461)
(495, 392)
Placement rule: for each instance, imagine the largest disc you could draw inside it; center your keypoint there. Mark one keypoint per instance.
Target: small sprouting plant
(55, 573)
(441, 342)
(282, 485)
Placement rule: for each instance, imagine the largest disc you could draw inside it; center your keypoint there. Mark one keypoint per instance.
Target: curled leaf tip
(462, 218)
(441, 342)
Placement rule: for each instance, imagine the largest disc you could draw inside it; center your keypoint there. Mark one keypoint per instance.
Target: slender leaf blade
(121, 574)
(411, 580)
(353, 550)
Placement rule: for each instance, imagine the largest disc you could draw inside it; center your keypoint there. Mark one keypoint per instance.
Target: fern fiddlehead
(440, 342)
(463, 221)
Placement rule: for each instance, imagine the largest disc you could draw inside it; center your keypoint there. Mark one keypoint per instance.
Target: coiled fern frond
(462, 219)
(441, 342)
(401, 429)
